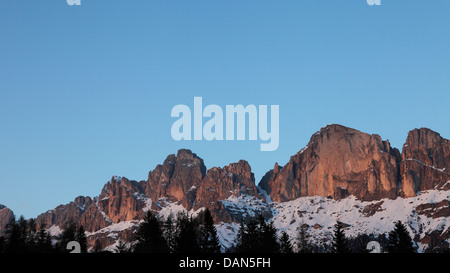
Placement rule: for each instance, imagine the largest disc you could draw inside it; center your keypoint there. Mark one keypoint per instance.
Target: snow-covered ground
(375, 217)
(321, 214)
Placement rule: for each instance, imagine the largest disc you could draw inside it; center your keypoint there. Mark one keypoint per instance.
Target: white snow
(325, 212)
(448, 182)
(117, 178)
(54, 230)
(303, 150)
(171, 209)
(112, 248)
(174, 208)
(227, 233)
(246, 204)
(189, 165)
(420, 162)
(115, 228)
(148, 205)
(103, 213)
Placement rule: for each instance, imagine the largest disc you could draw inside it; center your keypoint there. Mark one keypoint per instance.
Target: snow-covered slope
(420, 214)
(376, 217)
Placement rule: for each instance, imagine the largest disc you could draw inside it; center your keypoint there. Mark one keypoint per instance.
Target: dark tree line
(21, 236)
(398, 241)
(261, 237)
(184, 234)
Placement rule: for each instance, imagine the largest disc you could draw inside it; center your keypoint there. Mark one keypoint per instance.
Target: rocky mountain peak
(220, 183)
(241, 169)
(423, 138)
(187, 159)
(175, 178)
(425, 161)
(338, 161)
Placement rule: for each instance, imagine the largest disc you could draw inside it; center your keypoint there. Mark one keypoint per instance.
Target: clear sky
(86, 92)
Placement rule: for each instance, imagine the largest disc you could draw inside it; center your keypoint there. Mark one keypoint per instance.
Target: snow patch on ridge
(54, 231)
(247, 205)
(420, 162)
(115, 228)
(227, 233)
(321, 214)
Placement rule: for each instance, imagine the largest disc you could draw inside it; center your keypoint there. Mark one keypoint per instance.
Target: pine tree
(186, 239)
(209, 242)
(240, 238)
(339, 244)
(399, 240)
(80, 237)
(150, 236)
(249, 238)
(2, 244)
(303, 244)
(30, 235)
(169, 233)
(97, 248)
(14, 238)
(285, 243)
(23, 231)
(44, 241)
(68, 235)
(257, 237)
(268, 237)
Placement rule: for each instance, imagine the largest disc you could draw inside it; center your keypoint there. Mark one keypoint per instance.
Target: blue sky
(86, 92)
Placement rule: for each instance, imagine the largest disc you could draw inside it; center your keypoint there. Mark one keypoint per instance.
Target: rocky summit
(425, 162)
(337, 162)
(342, 173)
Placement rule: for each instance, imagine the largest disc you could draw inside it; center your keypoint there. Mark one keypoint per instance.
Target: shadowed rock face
(176, 179)
(181, 178)
(6, 215)
(220, 183)
(425, 162)
(338, 161)
(124, 200)
(121, 200)
(83, 211)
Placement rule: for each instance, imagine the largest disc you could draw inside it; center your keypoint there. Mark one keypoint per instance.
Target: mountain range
(342, 174)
